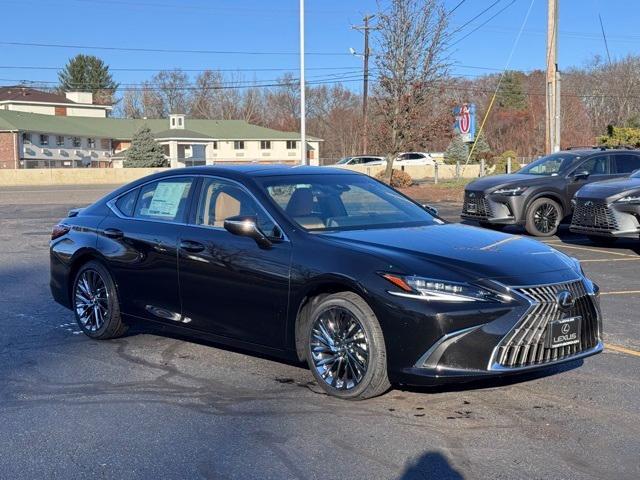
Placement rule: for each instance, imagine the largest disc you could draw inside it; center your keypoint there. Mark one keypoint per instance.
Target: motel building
(49, 133)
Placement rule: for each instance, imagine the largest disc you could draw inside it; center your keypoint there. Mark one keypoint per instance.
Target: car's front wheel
(345, 347)
(95, 302)
(543, 217)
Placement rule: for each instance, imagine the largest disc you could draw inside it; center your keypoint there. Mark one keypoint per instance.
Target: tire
(602, 241)
(492, 226)
(540, 208)
(337, 366)
(95, 302)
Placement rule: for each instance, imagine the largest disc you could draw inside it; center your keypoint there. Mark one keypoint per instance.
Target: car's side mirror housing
(247, 226)
(581, 175)
(431, 209)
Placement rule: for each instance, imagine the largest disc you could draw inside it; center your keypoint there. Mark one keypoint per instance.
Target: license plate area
(564, 332)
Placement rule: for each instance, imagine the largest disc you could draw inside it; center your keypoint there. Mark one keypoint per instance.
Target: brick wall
(8, 150)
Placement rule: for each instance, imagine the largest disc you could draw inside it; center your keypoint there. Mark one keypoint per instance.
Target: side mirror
(581, 175)
(431, 209)
(247, 226)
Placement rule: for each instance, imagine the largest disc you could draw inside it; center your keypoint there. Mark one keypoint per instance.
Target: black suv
(539, 196)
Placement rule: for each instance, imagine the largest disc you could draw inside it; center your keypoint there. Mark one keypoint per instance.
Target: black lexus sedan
(539, 196)
(606, 211)
(327, 266)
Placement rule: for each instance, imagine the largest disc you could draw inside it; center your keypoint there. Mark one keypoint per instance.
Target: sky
(262, 36)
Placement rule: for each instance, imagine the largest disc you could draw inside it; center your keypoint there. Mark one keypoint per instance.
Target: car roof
(596, 151)
(257, 170)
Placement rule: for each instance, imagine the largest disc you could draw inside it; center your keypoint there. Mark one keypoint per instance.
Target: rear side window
(126, 203)
(627, 163)
(164, 200)
(596, 165)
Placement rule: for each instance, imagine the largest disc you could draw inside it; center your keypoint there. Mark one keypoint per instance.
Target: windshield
(344, 160)
(344, 202)
(550, 165)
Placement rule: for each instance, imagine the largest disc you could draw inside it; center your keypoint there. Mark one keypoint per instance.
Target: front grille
(482, 208)
(592, 215)
(526, 344)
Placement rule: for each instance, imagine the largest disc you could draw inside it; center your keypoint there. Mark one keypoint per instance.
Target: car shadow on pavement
(431, 465)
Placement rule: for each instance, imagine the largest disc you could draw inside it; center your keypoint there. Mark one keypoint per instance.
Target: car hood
(609, 188)
(513, 179)
(472, 252)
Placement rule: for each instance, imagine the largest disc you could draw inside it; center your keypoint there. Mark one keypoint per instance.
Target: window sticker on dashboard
(166, 199)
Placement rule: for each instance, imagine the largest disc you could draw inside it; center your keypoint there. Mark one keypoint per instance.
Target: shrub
(499, 163)
(399, 178)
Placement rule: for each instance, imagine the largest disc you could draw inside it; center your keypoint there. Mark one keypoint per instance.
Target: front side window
(238, 145)
(595, 165)
(220, 199)
(344, 202)
(164, 200)
(551, 165)
(291, 144)
(44, 140)
(344, 161)
(627, 163)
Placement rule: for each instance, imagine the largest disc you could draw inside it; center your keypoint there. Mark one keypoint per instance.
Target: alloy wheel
(546, 218)
(91, 300)
(339, 348)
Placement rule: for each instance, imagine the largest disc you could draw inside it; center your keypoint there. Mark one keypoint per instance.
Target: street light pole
(365, 84)
(303, 113)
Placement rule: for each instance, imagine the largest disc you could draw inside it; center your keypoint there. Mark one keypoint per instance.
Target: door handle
(191, 246)
(113, 233)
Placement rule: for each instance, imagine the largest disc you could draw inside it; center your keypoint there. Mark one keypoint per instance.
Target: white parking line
(596, 250)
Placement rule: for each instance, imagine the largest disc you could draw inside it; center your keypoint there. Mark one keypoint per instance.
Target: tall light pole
(552, 133)
(365, 84)
(303, 107)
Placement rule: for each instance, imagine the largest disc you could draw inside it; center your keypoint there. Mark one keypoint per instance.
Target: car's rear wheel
(543, 217)
(345, 347)
(95, 302)
(602, 241)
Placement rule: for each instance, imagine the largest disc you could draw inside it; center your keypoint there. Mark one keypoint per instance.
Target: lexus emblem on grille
(588, 204)
(565, 300)
(565, 328)
(472, 195)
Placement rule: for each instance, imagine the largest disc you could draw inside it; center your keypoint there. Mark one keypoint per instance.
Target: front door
(598, 168)
(229, 285)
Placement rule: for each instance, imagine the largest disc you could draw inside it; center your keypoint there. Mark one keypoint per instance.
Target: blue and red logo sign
(465, 121)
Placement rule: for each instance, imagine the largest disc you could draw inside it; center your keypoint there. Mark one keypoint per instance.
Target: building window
(291, 144)
(265, 144)
(76, 142)
(215, 145)
(91, 142)
(44, 140)
(179, 121)
(173, 121)
(26, 138)
(60, 141)
(238, 145)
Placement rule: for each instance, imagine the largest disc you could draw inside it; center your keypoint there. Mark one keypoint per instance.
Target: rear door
(140, 243)
(229, 285)
(626, 163)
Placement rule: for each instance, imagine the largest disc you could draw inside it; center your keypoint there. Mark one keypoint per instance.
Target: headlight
(510, 192)
(442, 290)
(633, 199)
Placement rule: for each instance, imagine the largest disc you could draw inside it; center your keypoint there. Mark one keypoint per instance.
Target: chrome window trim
(112, 204)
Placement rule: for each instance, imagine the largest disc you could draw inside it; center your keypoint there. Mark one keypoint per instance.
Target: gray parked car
(606, 211)
(539, 196)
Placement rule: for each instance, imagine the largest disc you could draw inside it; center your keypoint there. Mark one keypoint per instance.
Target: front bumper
(489, 208)
(514, 342)
(599, 218)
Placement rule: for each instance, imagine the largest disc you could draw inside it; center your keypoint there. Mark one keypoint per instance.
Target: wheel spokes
(91, 300)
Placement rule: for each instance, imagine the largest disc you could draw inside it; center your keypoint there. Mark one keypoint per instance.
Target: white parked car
(413, 158)
(368, 160)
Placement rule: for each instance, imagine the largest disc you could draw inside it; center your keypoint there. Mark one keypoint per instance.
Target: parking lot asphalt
(154, 405)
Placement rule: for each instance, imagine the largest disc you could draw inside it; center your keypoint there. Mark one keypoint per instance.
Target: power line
(483, 24)
(188, 70)
(476, 17)
(163, 50)
(604, 36)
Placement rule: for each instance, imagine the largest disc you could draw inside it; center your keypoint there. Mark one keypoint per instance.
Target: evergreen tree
(144, 151)
(482, 148)
(511, 95)
(457, 151)
(87, 73)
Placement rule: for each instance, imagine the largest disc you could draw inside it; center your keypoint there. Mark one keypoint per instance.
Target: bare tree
(172, 87)
(411, 38)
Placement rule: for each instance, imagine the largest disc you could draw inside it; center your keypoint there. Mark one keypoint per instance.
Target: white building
(72, 104)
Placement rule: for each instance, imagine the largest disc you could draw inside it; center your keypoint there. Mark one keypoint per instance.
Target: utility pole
(365, 85)
(552, 121)
(303, 106)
